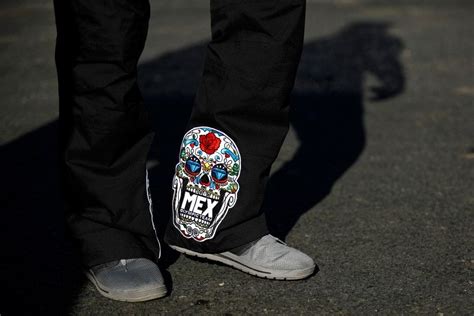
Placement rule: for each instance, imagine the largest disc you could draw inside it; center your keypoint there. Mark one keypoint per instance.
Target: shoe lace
(124, 263)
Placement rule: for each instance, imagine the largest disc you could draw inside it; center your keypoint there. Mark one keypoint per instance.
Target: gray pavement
(378, 182)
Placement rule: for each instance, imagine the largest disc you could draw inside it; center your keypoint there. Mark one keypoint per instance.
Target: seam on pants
(150, 208)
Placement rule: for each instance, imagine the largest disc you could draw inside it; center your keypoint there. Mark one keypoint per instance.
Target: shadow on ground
(42, 272)
(39, 271)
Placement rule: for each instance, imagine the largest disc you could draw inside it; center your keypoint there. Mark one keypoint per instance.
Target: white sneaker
(129, 280)
(267, 257)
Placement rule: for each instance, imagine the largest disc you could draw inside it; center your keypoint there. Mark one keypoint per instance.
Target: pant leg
(238, 123)
(104, 130)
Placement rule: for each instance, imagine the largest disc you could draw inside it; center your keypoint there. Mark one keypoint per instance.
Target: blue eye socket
(193, 166)
(219, 173)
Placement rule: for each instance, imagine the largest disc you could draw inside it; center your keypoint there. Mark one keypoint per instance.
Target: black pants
(236, 129)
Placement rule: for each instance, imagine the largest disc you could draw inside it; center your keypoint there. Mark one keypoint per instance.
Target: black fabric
(249, 72)
(105, 135)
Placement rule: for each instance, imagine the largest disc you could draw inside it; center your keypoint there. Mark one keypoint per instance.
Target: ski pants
(237, 126)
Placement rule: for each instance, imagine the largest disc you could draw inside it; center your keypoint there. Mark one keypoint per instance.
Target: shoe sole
(230, 259)
(138, 296)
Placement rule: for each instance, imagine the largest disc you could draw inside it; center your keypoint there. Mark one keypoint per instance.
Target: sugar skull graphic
(205, 183)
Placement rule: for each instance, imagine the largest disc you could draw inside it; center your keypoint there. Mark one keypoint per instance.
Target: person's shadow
(327, 115)
(40, 271)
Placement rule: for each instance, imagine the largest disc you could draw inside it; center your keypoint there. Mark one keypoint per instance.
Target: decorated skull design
(205, 183)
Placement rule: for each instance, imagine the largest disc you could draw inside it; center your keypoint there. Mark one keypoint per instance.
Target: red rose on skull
(209, 143)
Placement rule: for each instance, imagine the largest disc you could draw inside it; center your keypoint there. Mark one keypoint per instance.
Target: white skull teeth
(203, 192)
(192, 219)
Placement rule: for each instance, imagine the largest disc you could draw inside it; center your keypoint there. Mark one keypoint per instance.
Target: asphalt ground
(375, 179)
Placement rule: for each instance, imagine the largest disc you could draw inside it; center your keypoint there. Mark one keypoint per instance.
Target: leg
(238, 124)
(105, 140)
(104, 131)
